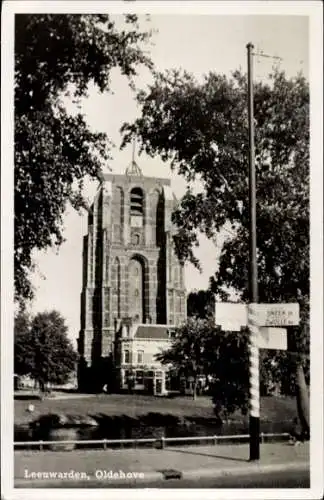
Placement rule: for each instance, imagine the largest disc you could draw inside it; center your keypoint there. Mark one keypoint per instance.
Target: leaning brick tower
(130, 269)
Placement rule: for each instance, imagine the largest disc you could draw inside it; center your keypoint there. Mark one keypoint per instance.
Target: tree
(43, 350)
(23, 354)
(200, 349)
(189, 353)
(230, 370)
(202, 129)
(57, 56)
(201, 304)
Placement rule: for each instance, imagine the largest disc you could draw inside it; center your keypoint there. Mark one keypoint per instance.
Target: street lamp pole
(253, 280)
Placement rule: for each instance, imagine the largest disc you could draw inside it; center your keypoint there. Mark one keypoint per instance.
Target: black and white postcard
(162, 249)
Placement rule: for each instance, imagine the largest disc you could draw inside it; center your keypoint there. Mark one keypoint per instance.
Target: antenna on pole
(133, 151)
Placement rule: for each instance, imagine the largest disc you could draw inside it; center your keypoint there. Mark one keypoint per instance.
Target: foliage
(282, 366)
(202, 129)
(200, 304)
(201, 349)
(23, 354)
(189, 350)
(42, 348)
(277, 368)
(230, 390)
(57, 56)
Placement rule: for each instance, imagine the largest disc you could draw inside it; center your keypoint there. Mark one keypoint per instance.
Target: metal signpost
(252, 320)
(265, 322)
(260, 318)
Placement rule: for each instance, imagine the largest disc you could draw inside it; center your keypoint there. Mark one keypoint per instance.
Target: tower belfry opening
(136, 202)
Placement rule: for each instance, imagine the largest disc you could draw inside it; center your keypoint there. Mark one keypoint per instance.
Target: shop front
(147, 381)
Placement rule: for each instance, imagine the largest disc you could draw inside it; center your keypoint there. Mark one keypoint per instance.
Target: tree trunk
(302, 399)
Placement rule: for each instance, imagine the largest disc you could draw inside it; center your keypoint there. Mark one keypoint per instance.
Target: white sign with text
(277, 314)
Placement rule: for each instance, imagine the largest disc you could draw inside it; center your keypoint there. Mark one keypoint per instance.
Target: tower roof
(133, 170)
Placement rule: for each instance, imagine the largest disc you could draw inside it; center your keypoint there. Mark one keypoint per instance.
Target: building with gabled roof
(136, 347)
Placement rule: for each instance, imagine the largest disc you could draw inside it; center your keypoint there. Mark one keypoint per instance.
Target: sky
(198, 44)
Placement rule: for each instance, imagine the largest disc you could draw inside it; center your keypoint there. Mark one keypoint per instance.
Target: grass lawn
(274, 409)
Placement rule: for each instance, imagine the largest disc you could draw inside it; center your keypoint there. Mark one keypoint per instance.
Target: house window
(126, 357)
(115, 282)
(171, 333)
(167, 381)
(139, 377)
(181, 305)
(140, 355)
(181, 277)
(176, 275)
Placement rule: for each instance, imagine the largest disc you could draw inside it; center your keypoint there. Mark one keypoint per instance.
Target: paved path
(109, 467)
(276, 479)
(24, 395)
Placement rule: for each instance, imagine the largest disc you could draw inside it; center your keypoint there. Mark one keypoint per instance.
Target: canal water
(152, 426)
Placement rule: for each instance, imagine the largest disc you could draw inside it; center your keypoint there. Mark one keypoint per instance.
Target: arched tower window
(118, 213)
(115, 278)
(136, 207)
(136, 289)
(157, 211)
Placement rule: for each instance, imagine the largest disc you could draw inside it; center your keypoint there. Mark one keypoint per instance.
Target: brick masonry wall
(110, 247)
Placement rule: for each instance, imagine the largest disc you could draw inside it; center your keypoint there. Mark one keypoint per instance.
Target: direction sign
(272, 338)
(277, 314)
(230, 316)
(233, 316)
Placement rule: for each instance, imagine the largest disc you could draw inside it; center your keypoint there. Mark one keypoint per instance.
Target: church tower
(130, 269)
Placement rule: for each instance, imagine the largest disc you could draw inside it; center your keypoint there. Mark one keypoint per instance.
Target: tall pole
(253, 280)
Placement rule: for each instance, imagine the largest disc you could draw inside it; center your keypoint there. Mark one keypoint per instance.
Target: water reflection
(151, 425)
